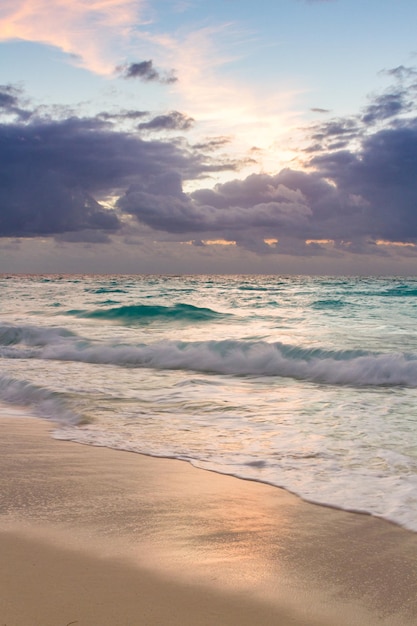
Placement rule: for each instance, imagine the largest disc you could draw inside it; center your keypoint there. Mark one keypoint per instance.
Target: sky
(230, 136)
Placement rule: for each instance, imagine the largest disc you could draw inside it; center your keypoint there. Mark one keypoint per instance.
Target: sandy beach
(92, 536)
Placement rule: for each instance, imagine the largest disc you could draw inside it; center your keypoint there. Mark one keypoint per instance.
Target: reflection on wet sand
(205, 529)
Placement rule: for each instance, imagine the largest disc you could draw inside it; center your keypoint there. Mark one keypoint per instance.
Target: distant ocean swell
(232, 357)
(143, 312)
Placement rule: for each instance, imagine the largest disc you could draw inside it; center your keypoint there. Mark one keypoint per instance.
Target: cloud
(219, 101)
(170, 121)
(253, 206)
(146, 71)
(401, 72)
(122, 116)
(382, 173)
(213, 144)
(319, 110)
(346, 127)
(386, 106)
(359, 189)
(10, 102)
(8, 97)
(359, 186)
(55, 173)
(391, 107)
(94, 33)
(84, 236)
(103, 34)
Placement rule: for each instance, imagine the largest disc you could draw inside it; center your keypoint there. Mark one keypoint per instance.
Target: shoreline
(123, 538)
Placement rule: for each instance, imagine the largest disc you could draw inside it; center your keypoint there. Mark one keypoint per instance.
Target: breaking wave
(232, 357)
(31, 335)
(41, 400)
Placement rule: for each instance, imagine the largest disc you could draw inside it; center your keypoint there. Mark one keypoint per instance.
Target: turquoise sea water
(305, 383)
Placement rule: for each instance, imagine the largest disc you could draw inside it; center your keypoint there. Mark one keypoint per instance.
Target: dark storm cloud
(54, 173)
(229, 210)
(353, 199)
(383, 174)
(146, 71)
(174, 120)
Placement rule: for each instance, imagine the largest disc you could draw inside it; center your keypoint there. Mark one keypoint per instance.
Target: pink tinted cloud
(93, 31)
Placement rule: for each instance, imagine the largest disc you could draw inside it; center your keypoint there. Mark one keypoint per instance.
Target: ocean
(306, 383)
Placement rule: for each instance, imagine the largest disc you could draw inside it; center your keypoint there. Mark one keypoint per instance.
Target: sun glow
(218, 242)
(402, 244)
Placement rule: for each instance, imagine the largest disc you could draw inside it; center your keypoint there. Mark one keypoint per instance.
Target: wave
(137, 313)
(397, 291)
(42, 401)
(400, 291)
(101, 290)
(239, 358)
(328, 304)
(32, 335)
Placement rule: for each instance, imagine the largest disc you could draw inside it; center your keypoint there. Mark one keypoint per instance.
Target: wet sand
(92, 536)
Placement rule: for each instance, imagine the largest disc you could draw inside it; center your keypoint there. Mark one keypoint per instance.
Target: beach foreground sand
(97, 537)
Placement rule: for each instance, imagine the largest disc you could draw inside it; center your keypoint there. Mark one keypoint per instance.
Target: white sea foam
(256, 359)
(40, 400)
(31, 335)
(243, 358)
